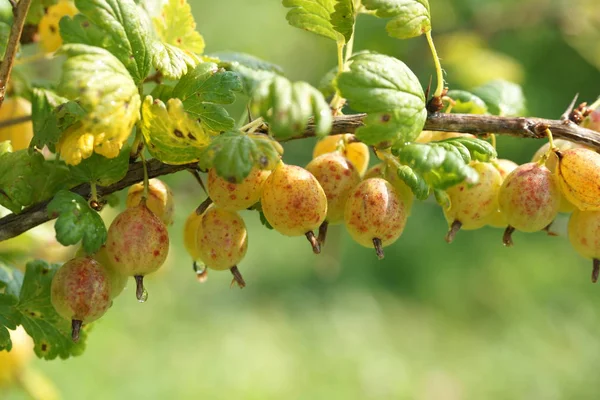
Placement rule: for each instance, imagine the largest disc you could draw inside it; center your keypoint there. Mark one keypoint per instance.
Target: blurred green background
(471, 320)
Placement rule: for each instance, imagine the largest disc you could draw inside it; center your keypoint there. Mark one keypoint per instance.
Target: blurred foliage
(471, 320)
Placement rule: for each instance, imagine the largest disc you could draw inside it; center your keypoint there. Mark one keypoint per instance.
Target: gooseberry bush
(138, 98)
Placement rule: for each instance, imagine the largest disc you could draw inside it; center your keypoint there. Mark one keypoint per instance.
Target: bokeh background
(470, 320)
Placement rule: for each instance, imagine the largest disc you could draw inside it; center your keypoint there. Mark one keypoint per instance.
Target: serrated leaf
(327, 82)
(456, 147)
(100, 170)
(51, 115)
(203, 89)
(415, 182)
(172, 135)
(179, 43)
(104, 89)
(480, 150)
(442, 198)
(233, 154)
(502, 98)
(344, 18)
(438, 166)
(287, 107)
(252, 70)
(79, 29)
(390, 93)
(49, 331)
(11, 280)
(410, 17)
(76, 221)
(313, 16)
(162, 92)
(466, 102)
(26, 179)
(125, 36)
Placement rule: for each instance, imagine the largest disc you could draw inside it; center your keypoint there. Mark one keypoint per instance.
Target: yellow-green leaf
(171, 134)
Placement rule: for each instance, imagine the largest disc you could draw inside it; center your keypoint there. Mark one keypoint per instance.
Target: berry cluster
(334, 188)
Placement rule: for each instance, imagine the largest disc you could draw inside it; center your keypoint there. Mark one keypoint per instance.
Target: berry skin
(529, 198)
(472, 205)
(190, 234)
(294, 202)
(584, 235)
(117, 280)
(337, 177)
(552, 161)
(50, 39)
(236, 196)
(381, 171)
(20, 134)
(577, 172)
(505, 167)
(13, 362)
(375, 215)
(356, 152)
(137, 244)
(80, 292)
(159, 201)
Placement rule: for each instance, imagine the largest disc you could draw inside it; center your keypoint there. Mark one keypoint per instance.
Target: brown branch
(14, 224)
(20, 12)
(15, 121)
(481, 125)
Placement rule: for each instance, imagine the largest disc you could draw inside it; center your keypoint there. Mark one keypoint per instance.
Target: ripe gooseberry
(233, 196)
(159, 201)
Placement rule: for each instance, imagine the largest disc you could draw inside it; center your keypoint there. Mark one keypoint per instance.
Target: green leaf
(327, 82)
(410, 17)
(233, 154)
(79, 29)
(50, 332)
(313, 16)
(76, 221)
(51, 115)
(414, 181)
(125, 35)
(250, 69)
(480, 150)
(26, 179)
(344, 18)
(287, 107)
(502, 98)
(203, 89)
(101, 85)
(466, 102)
(390, 93)
(172, 135)
(4, 34)
(439, 167)
(101, 170)
(179, 43)
(11, 280)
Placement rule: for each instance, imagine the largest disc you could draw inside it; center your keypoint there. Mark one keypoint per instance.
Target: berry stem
(595, 270)
(378, 248)
(507, 237)
(237, 277)
(140, 291)
(313, 242)
(454, 228)
(323, 233)
(146, 180)
(201, 273)
(203, 206)
(75, 329)
(438, 66)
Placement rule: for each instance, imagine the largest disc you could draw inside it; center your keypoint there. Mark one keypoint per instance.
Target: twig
(479, 125)
(535, 128)
(20, 13)
(14, 224)
(15, 121)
